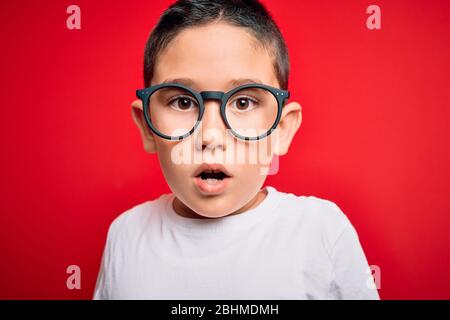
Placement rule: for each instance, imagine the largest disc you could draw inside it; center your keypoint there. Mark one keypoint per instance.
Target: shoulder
(312, 208)
(136, 218)
(315, 216)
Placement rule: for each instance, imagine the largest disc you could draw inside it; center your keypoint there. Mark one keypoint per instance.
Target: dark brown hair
(249, 14)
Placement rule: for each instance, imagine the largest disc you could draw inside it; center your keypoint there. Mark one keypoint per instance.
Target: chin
(213, 210)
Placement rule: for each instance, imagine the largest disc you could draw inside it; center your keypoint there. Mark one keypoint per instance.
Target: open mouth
(212, 180)
(213, 175)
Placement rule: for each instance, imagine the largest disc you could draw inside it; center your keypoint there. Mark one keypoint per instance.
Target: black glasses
(251, 111)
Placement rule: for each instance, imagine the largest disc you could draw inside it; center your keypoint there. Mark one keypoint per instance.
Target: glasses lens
(173, 111)
(251, 112)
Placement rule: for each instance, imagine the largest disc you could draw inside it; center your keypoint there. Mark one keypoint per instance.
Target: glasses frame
(279, 94)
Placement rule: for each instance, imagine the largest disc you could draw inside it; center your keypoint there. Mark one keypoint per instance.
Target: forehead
(213, 56)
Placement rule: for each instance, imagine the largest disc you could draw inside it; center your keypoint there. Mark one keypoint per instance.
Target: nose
(213, 129)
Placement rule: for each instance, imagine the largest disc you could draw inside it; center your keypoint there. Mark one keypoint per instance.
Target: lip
(212, 188)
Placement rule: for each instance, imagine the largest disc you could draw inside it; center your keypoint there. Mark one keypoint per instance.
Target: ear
(147, 136)
(290, 121)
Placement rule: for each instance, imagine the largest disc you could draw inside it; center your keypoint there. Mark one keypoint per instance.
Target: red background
(373, 138)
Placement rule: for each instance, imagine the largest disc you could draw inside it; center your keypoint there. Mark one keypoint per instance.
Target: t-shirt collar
(221, 225)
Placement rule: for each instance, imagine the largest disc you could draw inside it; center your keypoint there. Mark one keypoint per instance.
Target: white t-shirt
(288, 247)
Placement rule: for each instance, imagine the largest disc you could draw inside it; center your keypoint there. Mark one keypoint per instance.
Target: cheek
(165, 152)
(174, 161)
(163, 149)
(257, 154)
(250, 175)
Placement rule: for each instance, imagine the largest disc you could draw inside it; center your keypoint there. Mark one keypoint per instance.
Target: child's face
(212, 56)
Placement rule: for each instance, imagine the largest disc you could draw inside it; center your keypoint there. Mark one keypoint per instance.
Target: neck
(181, 209)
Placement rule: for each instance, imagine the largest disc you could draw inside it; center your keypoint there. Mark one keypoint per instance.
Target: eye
(244, 104)
(182, 103)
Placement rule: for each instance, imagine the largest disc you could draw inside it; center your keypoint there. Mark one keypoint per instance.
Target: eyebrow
(232, 83)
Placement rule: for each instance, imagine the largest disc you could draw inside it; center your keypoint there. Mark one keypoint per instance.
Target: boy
(215, 76)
